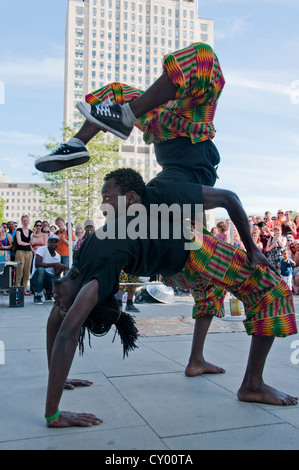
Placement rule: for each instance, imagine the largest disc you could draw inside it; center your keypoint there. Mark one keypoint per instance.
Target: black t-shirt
(173, 187)
(103, 259)
(24, 239)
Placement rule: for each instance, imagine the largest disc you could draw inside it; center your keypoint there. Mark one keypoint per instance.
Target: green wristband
(51, 418)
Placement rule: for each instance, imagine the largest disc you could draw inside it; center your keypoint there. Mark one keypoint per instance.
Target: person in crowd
(39, 238)
(264, 234)
(53, 229)
(296, 222)
(286, 267)
(47, 267)
(251, 221)
(237, 240)
(279, 218)
(256, 238)
(12, 232)
(214, 231)
(294, 248)
(274, 247)
(289, 241)
(79, 232)
(63, 246)
(88, 230)
(46, 227)
(5, 245)
(129, 289)
(23, 254)
(268, 221)
(222, 232)
(288, 227)
(4, 225)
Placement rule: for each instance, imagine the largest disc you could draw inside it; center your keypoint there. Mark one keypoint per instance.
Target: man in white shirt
(46, 267)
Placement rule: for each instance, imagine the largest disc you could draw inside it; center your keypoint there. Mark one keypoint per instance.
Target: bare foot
(194, 369)
(68, 419)
(266, 394)
(70, 384)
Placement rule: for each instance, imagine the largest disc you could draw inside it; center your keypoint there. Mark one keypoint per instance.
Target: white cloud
(14, 137)
(237, 79)
(40, 73)
(295, 139)
(230, 27)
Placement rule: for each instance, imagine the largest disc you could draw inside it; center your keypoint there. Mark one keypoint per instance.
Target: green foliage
(2, 205)
(85, 181)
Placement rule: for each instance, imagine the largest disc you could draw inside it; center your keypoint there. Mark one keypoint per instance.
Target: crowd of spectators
(277, 236)
(42, 252)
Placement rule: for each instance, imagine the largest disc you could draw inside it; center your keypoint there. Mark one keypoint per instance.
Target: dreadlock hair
(128, 180)
(101, 319)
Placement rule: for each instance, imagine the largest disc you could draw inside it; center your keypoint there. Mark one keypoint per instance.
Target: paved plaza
(146, 401)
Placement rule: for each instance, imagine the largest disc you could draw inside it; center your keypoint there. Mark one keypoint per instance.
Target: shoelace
(105, 110)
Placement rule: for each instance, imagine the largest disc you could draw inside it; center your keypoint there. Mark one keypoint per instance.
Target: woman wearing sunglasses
(39, 238)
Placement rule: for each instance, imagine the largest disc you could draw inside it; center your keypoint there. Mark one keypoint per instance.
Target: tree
(85, 180)
(2, 204)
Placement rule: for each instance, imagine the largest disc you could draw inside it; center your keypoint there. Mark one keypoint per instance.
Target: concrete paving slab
(247, 438)
(23, 416)
(142, 361)
(132, 438)
(288, 414)
(176, 405)
(216, 352)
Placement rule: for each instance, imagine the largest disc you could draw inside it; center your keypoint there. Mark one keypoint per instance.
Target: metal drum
(161, 292)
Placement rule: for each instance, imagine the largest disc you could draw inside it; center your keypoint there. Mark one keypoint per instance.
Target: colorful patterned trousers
(214, 265)
(124, 277)
(196, 72)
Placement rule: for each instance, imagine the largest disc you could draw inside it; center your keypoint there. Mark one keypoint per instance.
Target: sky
(257, 43)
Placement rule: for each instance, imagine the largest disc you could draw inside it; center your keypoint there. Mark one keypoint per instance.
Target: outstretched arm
(54, 322)
(229, 200)
(62, 354)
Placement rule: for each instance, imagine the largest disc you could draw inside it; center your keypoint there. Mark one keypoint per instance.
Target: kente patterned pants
(214, 265)
(127, 278)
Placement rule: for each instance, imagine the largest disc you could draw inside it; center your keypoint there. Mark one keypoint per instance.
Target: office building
(125, 41)
(21, 199)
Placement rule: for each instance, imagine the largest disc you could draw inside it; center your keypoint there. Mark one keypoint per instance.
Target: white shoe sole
(85, 108)
(51, 164)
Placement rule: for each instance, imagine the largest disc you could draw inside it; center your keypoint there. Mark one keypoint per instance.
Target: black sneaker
(131, 308)
(48, 296)
(106, 116)
(65, 156)
(38, 299)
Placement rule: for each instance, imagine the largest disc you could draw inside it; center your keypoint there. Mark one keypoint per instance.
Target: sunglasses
(38, 225)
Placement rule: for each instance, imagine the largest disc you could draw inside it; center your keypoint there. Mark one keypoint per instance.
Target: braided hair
(101, 319)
